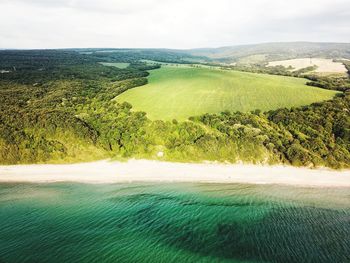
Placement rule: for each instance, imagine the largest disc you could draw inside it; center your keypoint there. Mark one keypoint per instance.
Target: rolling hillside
(274, 51)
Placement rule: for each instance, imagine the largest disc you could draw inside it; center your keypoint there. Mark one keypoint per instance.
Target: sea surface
(71, 222)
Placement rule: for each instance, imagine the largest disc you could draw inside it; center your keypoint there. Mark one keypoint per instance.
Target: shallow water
(173, 223)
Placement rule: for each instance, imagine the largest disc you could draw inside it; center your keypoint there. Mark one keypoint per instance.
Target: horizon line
(179, 49)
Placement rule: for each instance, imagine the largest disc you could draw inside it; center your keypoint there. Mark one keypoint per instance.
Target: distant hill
(242, 54)
(274, 51)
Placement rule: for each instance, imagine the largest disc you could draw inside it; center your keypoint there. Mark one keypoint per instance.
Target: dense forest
(58, 106)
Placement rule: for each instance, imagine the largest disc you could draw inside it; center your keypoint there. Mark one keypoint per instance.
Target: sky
(169, 23)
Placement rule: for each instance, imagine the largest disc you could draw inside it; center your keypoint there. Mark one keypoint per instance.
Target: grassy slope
(181, 92)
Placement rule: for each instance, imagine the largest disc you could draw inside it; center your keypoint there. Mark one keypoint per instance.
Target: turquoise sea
(71, 222)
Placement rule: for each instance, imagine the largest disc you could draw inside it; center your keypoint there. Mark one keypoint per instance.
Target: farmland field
(323, 65)
(180, 92)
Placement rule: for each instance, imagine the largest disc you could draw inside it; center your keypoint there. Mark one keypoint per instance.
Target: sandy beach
(156, 171)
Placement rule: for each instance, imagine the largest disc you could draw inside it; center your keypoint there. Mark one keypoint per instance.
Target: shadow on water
(283, 234)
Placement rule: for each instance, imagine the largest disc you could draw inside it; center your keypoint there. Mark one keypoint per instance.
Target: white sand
(323, 65)
(155, 171)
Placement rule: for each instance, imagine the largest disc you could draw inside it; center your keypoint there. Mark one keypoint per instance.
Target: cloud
(168, 23)
(106, 6)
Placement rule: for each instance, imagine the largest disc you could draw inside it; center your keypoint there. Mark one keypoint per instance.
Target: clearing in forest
(181, 92)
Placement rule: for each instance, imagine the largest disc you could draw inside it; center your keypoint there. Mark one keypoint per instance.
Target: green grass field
(117, 65)
(181, 92)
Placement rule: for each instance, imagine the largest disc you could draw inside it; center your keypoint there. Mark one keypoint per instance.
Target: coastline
(156, 171)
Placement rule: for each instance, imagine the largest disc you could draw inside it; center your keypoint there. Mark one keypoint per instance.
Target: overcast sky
(169, 23)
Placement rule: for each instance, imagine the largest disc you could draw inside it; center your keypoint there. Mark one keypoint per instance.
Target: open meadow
(181, 92)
